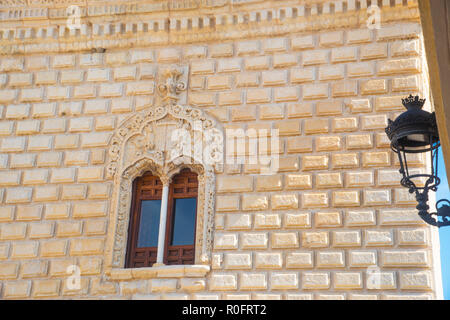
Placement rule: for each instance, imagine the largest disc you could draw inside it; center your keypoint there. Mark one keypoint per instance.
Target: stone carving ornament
(165, 139)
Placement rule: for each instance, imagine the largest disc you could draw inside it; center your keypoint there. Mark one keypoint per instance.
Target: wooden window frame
(170, 215)
(133, 230)
(186, 253)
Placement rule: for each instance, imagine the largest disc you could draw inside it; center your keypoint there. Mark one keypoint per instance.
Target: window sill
(178, 271)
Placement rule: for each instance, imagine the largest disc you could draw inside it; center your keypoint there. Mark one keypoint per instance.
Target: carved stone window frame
(125, 166)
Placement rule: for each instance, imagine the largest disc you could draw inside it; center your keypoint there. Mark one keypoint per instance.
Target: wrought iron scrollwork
(443, 212)
(440, 218)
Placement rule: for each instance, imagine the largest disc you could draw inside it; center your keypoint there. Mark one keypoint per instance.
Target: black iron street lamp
(415, 131)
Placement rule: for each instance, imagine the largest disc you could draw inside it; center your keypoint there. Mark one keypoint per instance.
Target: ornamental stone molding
(46, 26)
(163, 140)
(173, 84)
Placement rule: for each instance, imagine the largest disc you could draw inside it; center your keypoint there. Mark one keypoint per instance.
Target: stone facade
(332, 223)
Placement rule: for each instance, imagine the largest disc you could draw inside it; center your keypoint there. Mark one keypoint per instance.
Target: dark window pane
(149, 224)
(184, 222)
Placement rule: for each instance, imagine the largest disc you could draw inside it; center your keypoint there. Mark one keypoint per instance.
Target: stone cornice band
(32, 28)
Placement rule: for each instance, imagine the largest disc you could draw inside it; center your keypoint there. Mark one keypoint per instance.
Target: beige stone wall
(317, 229)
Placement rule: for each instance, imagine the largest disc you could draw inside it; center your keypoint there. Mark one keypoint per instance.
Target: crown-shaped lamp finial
(413, 102)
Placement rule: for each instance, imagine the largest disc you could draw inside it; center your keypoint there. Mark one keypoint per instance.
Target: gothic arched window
(149, 141)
